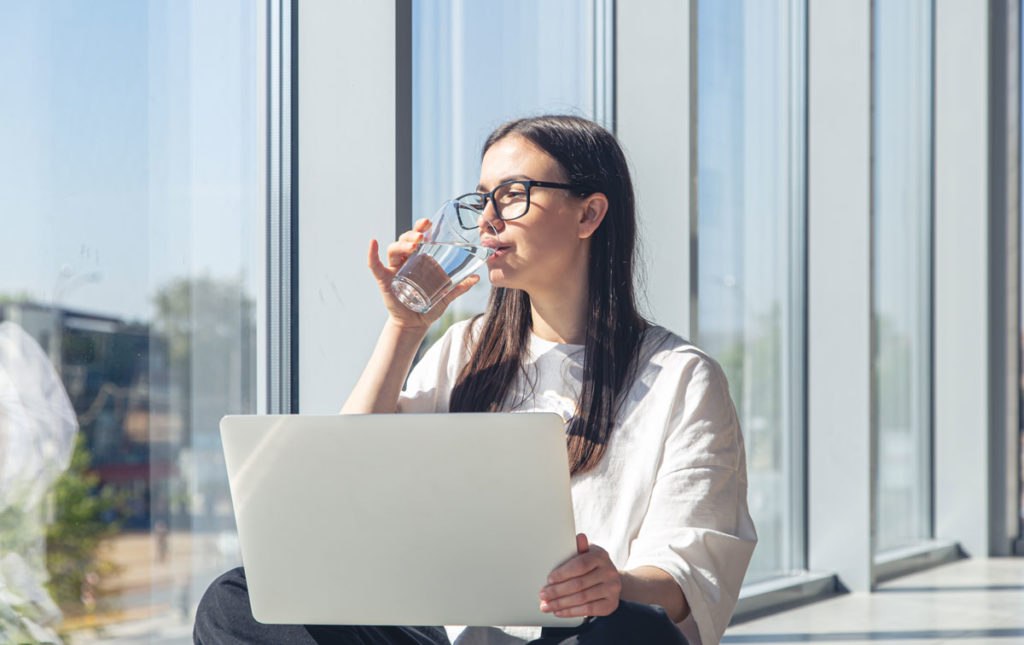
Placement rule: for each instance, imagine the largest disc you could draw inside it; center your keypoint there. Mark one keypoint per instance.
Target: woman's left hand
(588, 584)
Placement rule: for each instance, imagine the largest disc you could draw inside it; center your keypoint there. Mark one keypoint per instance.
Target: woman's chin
(506, 277)
(497, 278)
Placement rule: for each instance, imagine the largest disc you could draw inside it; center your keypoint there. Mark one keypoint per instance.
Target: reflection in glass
(901, 220)
(477, 65)
(750, 169)
(130, 256)
(38, 434)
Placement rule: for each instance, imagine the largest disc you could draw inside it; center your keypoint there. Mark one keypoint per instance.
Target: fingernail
(544, 607)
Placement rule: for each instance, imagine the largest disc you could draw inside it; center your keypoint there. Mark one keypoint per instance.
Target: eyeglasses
(511, 200)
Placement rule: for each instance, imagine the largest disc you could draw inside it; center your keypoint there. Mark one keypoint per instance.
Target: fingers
(599, 599)
(579, 565)
(602, 607)
(411, 236)
(376, 266)
(582, 546)
(399, 252)
(594, 594)
(598, 576)
(460, 289)
(406, 244)
(587, 585)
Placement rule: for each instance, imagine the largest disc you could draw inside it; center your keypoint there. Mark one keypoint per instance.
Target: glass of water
(451, 252)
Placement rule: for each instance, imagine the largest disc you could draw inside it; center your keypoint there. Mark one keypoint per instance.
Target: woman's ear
(595, 206)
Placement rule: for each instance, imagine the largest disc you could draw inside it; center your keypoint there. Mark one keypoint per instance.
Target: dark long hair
(591, 157)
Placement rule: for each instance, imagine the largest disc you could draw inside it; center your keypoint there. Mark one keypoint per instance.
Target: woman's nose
(489, 222)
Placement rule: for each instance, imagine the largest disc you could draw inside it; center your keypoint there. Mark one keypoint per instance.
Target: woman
(655, 451)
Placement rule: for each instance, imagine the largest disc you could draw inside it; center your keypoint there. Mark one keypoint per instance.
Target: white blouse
(671, 490)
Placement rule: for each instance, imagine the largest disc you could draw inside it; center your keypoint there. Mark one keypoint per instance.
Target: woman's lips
(499, 251)
(498, 248)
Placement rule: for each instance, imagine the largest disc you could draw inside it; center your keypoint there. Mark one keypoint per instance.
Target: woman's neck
(561, 316)
(559, 307)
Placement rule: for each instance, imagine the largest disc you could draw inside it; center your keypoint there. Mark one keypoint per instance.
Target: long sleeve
(430, 382)
(697, 526)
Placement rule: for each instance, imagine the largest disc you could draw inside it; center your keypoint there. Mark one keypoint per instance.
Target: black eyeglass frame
(580, 191)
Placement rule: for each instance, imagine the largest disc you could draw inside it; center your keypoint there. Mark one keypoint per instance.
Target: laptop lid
(400, 519)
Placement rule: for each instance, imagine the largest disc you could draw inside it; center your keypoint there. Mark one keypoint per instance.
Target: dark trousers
(225, 617)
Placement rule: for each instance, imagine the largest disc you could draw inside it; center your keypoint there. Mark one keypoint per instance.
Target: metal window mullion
(280, 215)
(403, 116)
(930, 394)
(692, 211)
(1004, 135)
(795, 346)
(603, 55)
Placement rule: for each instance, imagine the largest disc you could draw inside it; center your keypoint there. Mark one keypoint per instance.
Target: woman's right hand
(397, 254)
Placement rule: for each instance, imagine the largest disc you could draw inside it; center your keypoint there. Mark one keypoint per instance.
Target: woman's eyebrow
(480, 188)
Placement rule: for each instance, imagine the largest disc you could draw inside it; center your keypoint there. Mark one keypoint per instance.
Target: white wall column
(961, 274)
(654, 116)
(347, 187)
(840, 402)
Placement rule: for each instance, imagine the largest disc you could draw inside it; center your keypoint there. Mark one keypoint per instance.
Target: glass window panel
(479, 64)
(902, 270)
(750, 170)
(132, 205)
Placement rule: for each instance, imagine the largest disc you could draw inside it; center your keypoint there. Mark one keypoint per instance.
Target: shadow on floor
(963, 588)
(922, 634)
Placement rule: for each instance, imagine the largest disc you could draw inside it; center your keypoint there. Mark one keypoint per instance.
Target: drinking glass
(451, 251)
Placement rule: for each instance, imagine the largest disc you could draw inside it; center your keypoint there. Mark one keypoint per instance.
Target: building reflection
(116, 374)
(148, 398)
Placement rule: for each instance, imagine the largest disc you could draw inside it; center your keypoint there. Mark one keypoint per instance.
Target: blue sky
(131, 139)
(135, 140)
(479, 64)
(133, 136)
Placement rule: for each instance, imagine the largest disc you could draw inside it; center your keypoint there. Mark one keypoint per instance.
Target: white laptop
(400, 519)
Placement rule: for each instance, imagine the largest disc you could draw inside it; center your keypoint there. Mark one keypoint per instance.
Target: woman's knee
(231, 577)
(228, 585)
(633, 623)
(224, 602)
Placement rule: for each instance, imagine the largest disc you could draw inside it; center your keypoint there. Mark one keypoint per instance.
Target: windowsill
(772, 596)
(779, 594)
(899, 562)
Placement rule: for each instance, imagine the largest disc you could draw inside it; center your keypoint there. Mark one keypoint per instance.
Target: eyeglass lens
(511, 200)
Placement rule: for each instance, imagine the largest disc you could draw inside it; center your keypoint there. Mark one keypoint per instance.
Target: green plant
(81, 522)
(67, 549)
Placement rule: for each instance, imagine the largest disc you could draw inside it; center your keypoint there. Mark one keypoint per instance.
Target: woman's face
(549, 243)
